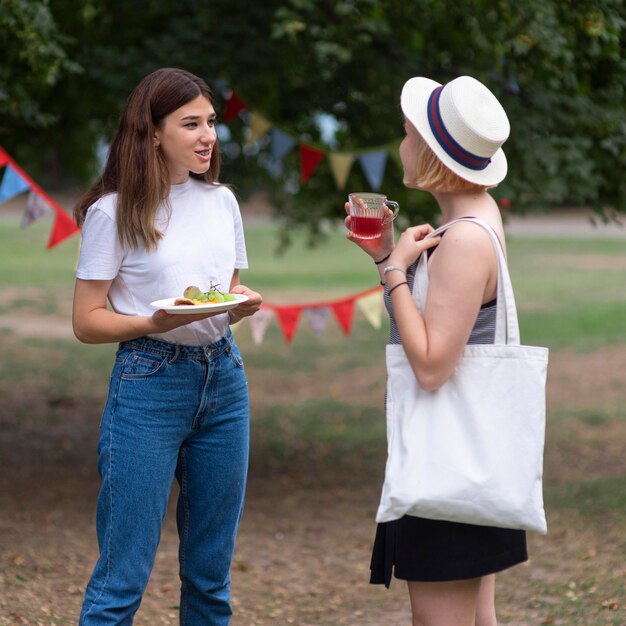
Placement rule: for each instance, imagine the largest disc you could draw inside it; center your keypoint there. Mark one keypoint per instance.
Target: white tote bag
(471, 451)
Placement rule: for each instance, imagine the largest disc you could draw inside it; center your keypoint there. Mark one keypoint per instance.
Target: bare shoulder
(471, 238)
(464, 236)
(465, 258)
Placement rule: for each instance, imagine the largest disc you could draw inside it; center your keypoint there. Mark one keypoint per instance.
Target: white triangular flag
(259, 323)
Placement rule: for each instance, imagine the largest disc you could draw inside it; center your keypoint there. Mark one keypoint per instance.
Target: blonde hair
(433, 175)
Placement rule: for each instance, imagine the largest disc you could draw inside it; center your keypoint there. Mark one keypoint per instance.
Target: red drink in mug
(366, 227)
(367, 213)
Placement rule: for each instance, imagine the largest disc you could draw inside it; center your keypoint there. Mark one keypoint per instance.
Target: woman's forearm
(105, 326)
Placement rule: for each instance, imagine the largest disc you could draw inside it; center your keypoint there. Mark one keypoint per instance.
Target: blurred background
(307, 94)
(327, 74)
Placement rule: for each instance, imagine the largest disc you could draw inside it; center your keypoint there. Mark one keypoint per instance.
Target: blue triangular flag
(373, 164)
(282, 143)
(12, 184)
(220, 85)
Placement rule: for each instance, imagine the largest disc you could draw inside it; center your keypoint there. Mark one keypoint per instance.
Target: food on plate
(194, 295)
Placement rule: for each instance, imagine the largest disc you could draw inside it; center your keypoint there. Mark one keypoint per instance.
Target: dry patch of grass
(303, 552)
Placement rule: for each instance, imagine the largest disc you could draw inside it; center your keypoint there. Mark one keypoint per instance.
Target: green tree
(558, 66)
(33, 61)
(567, 61)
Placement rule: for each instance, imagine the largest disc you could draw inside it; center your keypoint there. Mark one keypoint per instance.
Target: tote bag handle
(507, 325)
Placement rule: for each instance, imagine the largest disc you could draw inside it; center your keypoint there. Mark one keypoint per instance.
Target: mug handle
(396, 208)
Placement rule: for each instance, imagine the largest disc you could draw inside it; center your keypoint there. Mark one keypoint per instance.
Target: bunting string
(369, 302)
(288, 316)
(373, 160)
(16, 181)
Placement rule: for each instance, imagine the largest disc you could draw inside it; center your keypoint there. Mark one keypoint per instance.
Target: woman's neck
(458, 204)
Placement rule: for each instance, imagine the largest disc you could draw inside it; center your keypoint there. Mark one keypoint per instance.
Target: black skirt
(418, 549)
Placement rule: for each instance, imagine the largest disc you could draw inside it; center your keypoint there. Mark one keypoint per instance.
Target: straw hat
(463, 123)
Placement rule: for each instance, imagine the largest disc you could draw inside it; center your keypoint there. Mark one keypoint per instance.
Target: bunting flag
(62, 228)
(12, 184)
(288, 317)
(310, 158)
(318, 320)
(259, 323)
(258, 127)
(372, 307)
(281, 144)
(19, 180)
(370, 302)
(372, 161)
(234, 106)
(344, 312)
(340, 165)
(36, 208)
(373, 165)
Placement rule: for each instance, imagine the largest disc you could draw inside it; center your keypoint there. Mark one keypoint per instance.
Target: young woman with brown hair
(157, 221)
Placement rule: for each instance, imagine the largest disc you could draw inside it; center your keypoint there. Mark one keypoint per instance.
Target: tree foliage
(33, 60)
(558, 67)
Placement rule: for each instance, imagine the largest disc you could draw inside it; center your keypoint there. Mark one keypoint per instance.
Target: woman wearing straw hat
(452, 149)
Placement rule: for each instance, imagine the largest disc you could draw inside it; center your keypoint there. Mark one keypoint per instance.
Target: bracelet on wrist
(383, 259)
(391, 268)
(404, 282)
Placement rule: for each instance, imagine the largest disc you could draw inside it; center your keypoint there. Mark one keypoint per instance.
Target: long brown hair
(134, 168)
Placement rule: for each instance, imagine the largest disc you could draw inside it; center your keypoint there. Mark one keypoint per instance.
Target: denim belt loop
(229, 340)
(175, 355)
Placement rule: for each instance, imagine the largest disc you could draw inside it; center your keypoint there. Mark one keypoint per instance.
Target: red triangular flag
(310, 158)
(234, 106)
(4, 157)
(344, 312)
(288, 317)
(63, 227)
(63, 224)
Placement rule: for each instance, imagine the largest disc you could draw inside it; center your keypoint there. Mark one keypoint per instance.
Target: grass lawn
(570, 293)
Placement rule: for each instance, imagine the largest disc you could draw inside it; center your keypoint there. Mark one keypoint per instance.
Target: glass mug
(367, 213)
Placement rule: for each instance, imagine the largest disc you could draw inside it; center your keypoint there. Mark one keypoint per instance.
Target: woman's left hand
(411, 244)
(247, 308)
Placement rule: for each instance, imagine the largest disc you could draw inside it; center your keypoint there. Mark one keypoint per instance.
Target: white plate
(167, 304)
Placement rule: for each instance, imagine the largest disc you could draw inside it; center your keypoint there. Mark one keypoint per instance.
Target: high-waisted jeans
(171, 411)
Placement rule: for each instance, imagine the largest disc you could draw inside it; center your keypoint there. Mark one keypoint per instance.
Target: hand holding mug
(369, 213)
(378, 240)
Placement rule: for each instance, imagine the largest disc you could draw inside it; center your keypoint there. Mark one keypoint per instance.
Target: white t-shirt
(203, 243)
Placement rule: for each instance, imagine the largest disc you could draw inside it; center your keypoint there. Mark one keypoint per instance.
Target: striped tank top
(484, 330)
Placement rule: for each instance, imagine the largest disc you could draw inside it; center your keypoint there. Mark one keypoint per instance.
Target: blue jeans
(171, 411)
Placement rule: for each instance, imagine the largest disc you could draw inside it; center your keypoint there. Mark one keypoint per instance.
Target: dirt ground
(303, 549)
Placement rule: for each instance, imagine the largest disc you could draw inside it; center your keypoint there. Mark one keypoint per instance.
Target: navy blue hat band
(445, 140)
